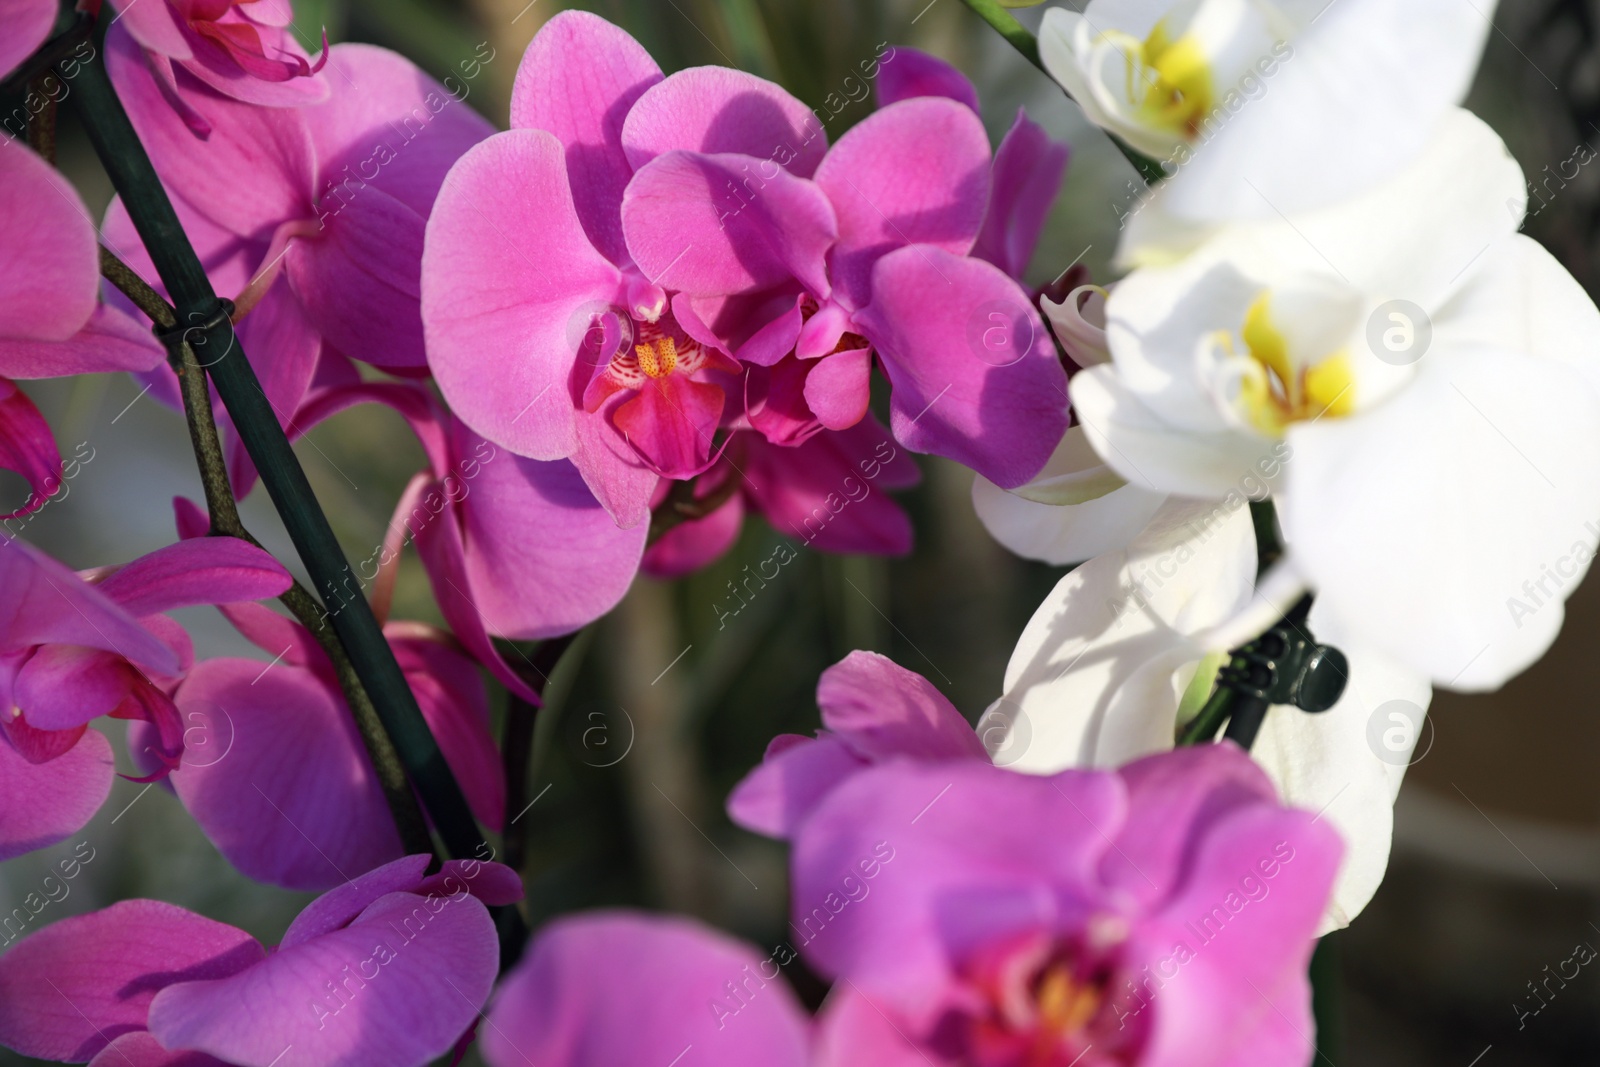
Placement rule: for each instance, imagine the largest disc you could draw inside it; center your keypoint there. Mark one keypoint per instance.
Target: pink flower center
(1037, 1005)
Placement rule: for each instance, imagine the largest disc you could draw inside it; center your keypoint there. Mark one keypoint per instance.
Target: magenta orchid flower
(545, 335)
(908, 191)
(828, 492)
(608, 988)
(873, 711)
(244, 49)
(51, 322)
(388, 970)
(73, 650)
(317, 209)
(1162, 914)
(283, 786)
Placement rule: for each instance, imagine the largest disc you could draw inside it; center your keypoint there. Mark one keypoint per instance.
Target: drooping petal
(618, 476)
(1027, 175)
(27, 447)
(610, 988)
(45, 603)
(914, 173)
(102, 970)
(208, 570)
(719, 109)
(408, 977)
(506, 275)
(45, 803)
(975, 375)
(110, 341)
(578, 80)
(910, 73)
(294, 801)
(542, 557)
(50, 290)
(711, 225)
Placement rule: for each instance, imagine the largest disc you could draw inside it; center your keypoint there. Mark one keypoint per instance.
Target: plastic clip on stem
(210, 331)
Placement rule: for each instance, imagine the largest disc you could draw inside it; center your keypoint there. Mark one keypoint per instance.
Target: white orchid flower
(1307, 101)
(1417, 384)
(1122, 654)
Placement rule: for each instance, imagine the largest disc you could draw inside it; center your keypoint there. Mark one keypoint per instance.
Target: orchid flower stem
(210, 331)
(1023, 40)
(224, 514)
(42, 124)
(681, 505)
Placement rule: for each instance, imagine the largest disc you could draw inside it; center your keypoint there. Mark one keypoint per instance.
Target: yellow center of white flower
(1279, 386)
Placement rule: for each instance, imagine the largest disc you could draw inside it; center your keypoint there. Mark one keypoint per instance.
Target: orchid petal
(578, 80)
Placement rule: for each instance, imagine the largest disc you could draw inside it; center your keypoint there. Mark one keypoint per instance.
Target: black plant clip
(1285, 665)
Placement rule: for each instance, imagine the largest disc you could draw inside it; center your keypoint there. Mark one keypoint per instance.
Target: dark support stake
(210, 333)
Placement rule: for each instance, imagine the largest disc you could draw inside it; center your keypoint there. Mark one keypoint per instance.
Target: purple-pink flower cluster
(654, 305)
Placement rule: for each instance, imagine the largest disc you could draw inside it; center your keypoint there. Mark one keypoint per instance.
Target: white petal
(1149, 452)
(1110, 639)
(1361, 95)
(1428, 524)
(1411, 237)
(1060, 534)
(1521, 299)
(1346, 764)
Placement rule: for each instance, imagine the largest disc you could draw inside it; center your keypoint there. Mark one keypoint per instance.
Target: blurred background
(1495, 878)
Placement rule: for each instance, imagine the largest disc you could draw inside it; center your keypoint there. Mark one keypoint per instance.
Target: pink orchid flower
(873, 711)
(613, 987)
(909, 195)
(1159, 915)
(76, 647)
(388, 970)
(309, 217)
(51, 322)
(545, 335)
(514, 548)
(244, 49)
(283, 786)
(829, 492)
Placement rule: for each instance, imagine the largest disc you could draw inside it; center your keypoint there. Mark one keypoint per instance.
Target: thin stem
(681, 505)
(1204, 726)
(42, 124)
(211, 334)
(1023, 40)
(224, 514)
